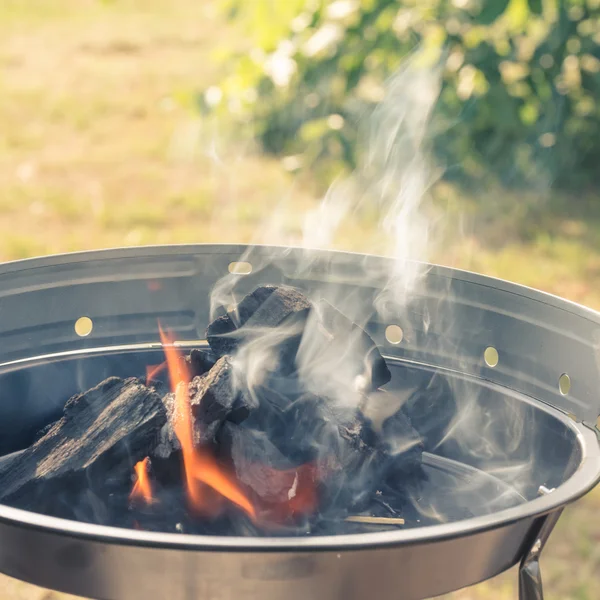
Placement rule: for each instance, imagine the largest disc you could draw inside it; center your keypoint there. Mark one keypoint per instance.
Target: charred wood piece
(101, 435)
(200, 361)
(266, 307)
(258, 463)
(214, 399)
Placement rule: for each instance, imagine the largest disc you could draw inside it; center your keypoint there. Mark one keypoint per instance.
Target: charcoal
(274, 396)
(401, 443)
(7, 459)
(168, 443)
(354, 470)
(167, 471)
(350, 348)
(340, 441)
(200, 361)
(394, 432)
(92, 448)
(43, 431)
(359, 457)
(266, 307)
(312, 427)
(214, 400)
(221, 335)
(431, 406)
(258, 463)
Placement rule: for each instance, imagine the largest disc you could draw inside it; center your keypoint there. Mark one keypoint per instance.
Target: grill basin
(483, 512)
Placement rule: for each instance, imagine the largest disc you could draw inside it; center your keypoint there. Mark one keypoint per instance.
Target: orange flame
(142, 488)
(153, 370)
(200, 466)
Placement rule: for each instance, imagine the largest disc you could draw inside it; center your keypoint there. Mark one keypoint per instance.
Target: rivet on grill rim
(240, 268)
(83, 326)
(394, 334)
(491, 356)
(564, 384)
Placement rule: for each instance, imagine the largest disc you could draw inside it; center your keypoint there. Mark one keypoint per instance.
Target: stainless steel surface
(453, 318)
(538, 336)
(530, 577)
(99, 569)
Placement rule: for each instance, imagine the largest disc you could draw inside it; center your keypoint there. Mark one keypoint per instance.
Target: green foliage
(520, 81)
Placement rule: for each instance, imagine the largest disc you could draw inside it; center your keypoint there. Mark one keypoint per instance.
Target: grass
(100, 147)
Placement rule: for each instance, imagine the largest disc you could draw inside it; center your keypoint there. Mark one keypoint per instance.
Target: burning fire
(200, 467)
(152, 371)
(207, 481)
(142, 490)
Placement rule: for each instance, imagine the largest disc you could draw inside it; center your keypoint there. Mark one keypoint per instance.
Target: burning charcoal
(354, 471)
(431, 406)
(341, 442)
(402, 446)
(6, 459)
(215, 400)
(396, 436)
(258, 463)
(266, 307)
(167, 443)
(349, 348)
(309, 427)
(200, 361)
(43, 431)
(167, 471)
(356, 456)
(401, 440)
(102, 434)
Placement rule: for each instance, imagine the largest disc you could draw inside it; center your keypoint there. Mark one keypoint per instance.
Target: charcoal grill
(75, 319)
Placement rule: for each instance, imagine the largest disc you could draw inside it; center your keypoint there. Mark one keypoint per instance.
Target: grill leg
(530, 575)
(530, 581)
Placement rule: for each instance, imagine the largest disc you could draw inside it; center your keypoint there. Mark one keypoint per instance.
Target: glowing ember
(301, 496)
(142, 490)
(200, 467)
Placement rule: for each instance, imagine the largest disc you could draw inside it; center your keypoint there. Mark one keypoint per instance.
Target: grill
(519, 368)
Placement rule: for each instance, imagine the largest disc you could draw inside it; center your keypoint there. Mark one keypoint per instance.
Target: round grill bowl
(519, 367)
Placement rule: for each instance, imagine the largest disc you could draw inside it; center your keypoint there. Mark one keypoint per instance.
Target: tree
(520, 82)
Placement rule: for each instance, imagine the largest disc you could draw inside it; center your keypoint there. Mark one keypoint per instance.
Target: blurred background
(133, 122)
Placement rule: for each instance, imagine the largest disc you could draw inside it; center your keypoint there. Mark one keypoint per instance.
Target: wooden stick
(375, 520)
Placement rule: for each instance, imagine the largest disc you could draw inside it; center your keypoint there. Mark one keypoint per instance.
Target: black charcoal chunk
(200, 361)
(395, 435)
(214, 399)
(402, 444)
(350, 347)
(94, 446)
(431, 407)
(221, 335)
(43, 431)
(258, 463)
(266, 307)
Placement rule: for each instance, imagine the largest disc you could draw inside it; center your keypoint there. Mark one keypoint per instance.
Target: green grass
(100, 147)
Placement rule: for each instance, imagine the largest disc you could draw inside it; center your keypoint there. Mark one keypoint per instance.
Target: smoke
(392, 181)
